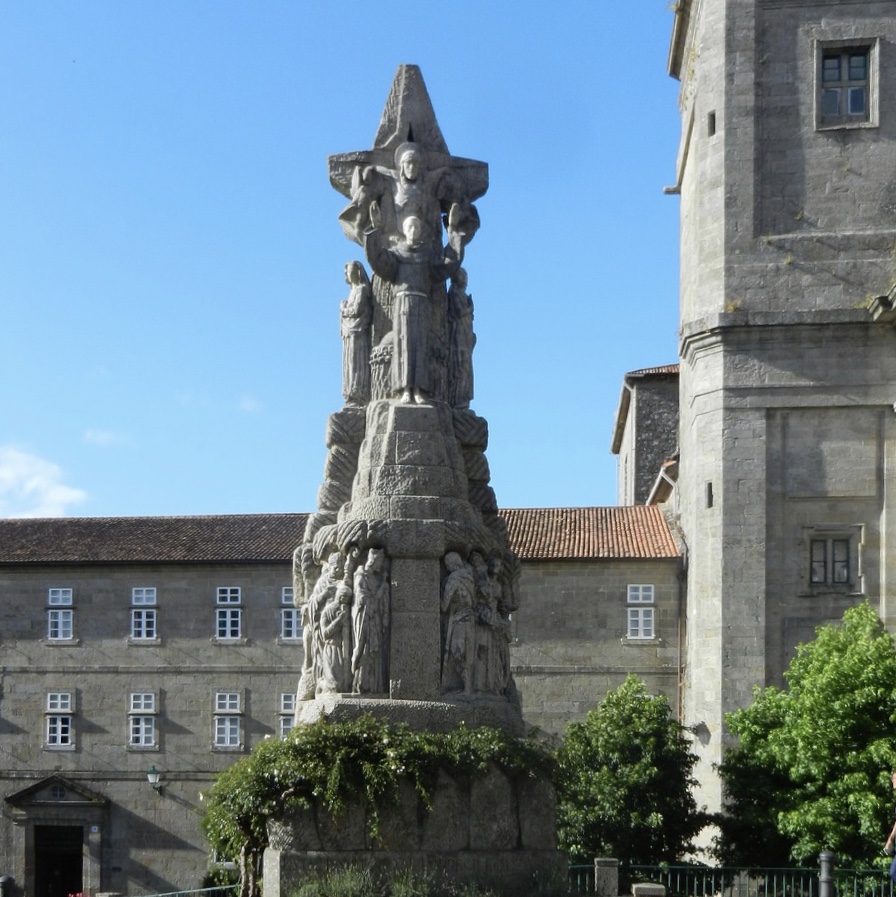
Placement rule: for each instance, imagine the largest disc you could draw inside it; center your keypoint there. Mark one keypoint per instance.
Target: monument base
(473, 711)
(494, 831)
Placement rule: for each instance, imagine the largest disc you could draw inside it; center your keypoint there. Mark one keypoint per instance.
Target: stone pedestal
(494, 831)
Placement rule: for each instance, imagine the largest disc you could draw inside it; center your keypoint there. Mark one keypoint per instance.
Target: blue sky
(171, 263)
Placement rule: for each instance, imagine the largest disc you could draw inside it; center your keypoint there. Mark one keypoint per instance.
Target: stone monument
(405, 577)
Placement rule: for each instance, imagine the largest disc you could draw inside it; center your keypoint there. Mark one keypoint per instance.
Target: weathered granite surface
(405, 577)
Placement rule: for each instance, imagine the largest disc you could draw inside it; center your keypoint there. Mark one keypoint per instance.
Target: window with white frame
(228, 719)
(290, 616)
(59, 720)
(228, 620)
(287, 712)
(60, 616)
(143, 613)
(846, 83)
(142, 719)
(640, 611)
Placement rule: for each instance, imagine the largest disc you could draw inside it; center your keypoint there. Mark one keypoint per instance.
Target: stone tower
(787, 177)
(405, 576)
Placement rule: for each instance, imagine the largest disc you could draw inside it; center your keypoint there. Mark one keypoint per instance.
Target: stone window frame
(142, 716)
(227, 721)
(870, 46)
(854, 536)
(640, 612)
(59, 721)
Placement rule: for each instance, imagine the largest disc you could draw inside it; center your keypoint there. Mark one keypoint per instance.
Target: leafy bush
(624, 781)
(811, 771)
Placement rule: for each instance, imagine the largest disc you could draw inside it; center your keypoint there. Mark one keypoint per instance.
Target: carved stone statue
(409, 189)
(323, 592)
(461, 341)
(355, 314)
(336, 641)
(458, 598)
(414, 266)
(370, 625)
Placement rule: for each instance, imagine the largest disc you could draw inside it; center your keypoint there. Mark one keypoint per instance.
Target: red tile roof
(639, 531)
(630, 531)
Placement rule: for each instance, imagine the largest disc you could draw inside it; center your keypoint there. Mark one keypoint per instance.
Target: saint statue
(413, 267)
(370, 625)
(461, 341)
(458, 598)
(356, 313)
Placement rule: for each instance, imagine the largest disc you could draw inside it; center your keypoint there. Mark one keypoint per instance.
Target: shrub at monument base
(357, 780)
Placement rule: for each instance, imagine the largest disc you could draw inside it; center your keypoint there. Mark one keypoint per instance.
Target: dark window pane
(830, 102)
(831, 68)
(858, 66)
(856, 100)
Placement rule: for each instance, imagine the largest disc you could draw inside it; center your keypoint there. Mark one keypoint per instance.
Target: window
(228, 619)
(60, 625)
(846, 84)
(60, 622)
(290, 616)
(830, 562)
(228, 623)
(228, 720)
(59, 597)
(142, 596)
(290, 623)
(142, 719)
(143, 614)
(287, 712)
(59, 720)
(640, 611)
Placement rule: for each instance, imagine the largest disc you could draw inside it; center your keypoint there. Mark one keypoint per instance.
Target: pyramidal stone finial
(408, 116)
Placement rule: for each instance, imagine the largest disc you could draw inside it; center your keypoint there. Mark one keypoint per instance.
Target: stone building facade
(171, 646)
(788, 352)
(645, 431)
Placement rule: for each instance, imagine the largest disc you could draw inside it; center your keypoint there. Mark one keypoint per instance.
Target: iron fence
(706, 881)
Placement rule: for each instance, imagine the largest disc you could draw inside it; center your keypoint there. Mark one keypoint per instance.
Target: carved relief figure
(323, 592)
(356, 313)
(370, 625)
(411, 188)
(336, 641)
(413, 267)
(461, 341)
(458, 598)
(499, 661)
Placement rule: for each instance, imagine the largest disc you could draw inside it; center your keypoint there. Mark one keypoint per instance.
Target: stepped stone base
(494, 831)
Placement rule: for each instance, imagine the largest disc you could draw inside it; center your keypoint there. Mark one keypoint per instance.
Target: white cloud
(32, 487)
(103, 437)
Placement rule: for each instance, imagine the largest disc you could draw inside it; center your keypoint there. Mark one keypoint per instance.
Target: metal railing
(216, 891)
(706, 881)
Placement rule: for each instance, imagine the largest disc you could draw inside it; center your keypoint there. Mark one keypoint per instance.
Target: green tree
(625, 783)
(811, 770)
